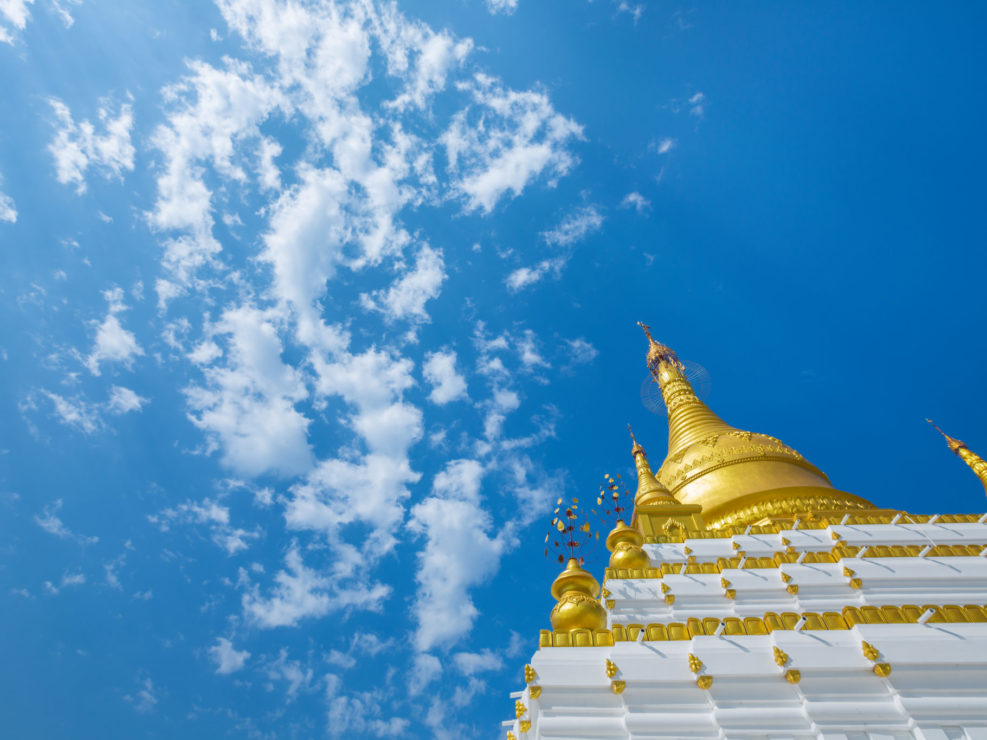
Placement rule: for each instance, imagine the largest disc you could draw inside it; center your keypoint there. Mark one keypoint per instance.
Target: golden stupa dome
(738, 477)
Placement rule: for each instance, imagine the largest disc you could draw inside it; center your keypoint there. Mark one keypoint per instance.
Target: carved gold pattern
(695, 665)
(519, 709)
(511, 735)
(611, 603)
(524, 725)
(618, 687)
(785, 507)
(534, 691)
(882, 669)
(669, 598)
(529, 674)
(704, 682)
(611, 668)
(856, 583)
(793, 675)
(792, 588)
(770, 622)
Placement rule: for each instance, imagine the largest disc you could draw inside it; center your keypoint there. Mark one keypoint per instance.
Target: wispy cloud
(502, 6)
(636, 201)
(227, 658)
(8, 212)
(575, 227)
(50, 522)
(113, 343)
(440, 371)
(212, 515)
(697, 105)
(77, 146)
(504, 141)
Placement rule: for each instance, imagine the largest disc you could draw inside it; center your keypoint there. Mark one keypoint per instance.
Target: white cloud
(145, 699)
(506, 140)
(228, 659)
(68, 579)
(113, 342)
(697, 105)
(247, 406)
(211, 514)
(77, 146)
(291, 672)
(447, 384)
(78, 413)
(214, 109)
(459, 553)
(524, 277)
(123, 400)
(15, 14)
(67, 20)
(425, 669)
(406, 298)
(302, 593)
(665, 145)
(435, 56)
(304, 245)
(503, 401)
(51, 523)
(369, 487)
(267, 171)
(581, 351)
(8, 212)
(472, 663)
(502, 6)
(636, 201)
(635, 10)
(527, 347)
(357, 714)
(575, 227)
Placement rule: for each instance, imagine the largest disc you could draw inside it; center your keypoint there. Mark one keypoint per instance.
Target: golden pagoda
(748, 598)
(736, 476)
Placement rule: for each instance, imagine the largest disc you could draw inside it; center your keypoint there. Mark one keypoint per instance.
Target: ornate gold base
(783, 503)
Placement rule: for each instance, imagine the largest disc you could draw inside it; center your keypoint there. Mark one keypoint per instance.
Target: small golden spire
(636, 448)
(650, 491)
(977, 464)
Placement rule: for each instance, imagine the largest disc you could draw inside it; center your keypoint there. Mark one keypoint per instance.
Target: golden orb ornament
(577, 607)
(624, 544)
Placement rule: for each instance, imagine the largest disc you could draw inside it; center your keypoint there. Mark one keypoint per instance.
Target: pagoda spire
(977, 464)
(689, 419)
(650, 491)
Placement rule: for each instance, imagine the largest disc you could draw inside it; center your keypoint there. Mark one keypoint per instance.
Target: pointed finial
(976, 463)
(659, 353)
(647, 331)
(636, 449)
(954, 444)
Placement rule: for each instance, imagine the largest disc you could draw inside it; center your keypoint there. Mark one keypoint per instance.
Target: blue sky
(312, 309)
